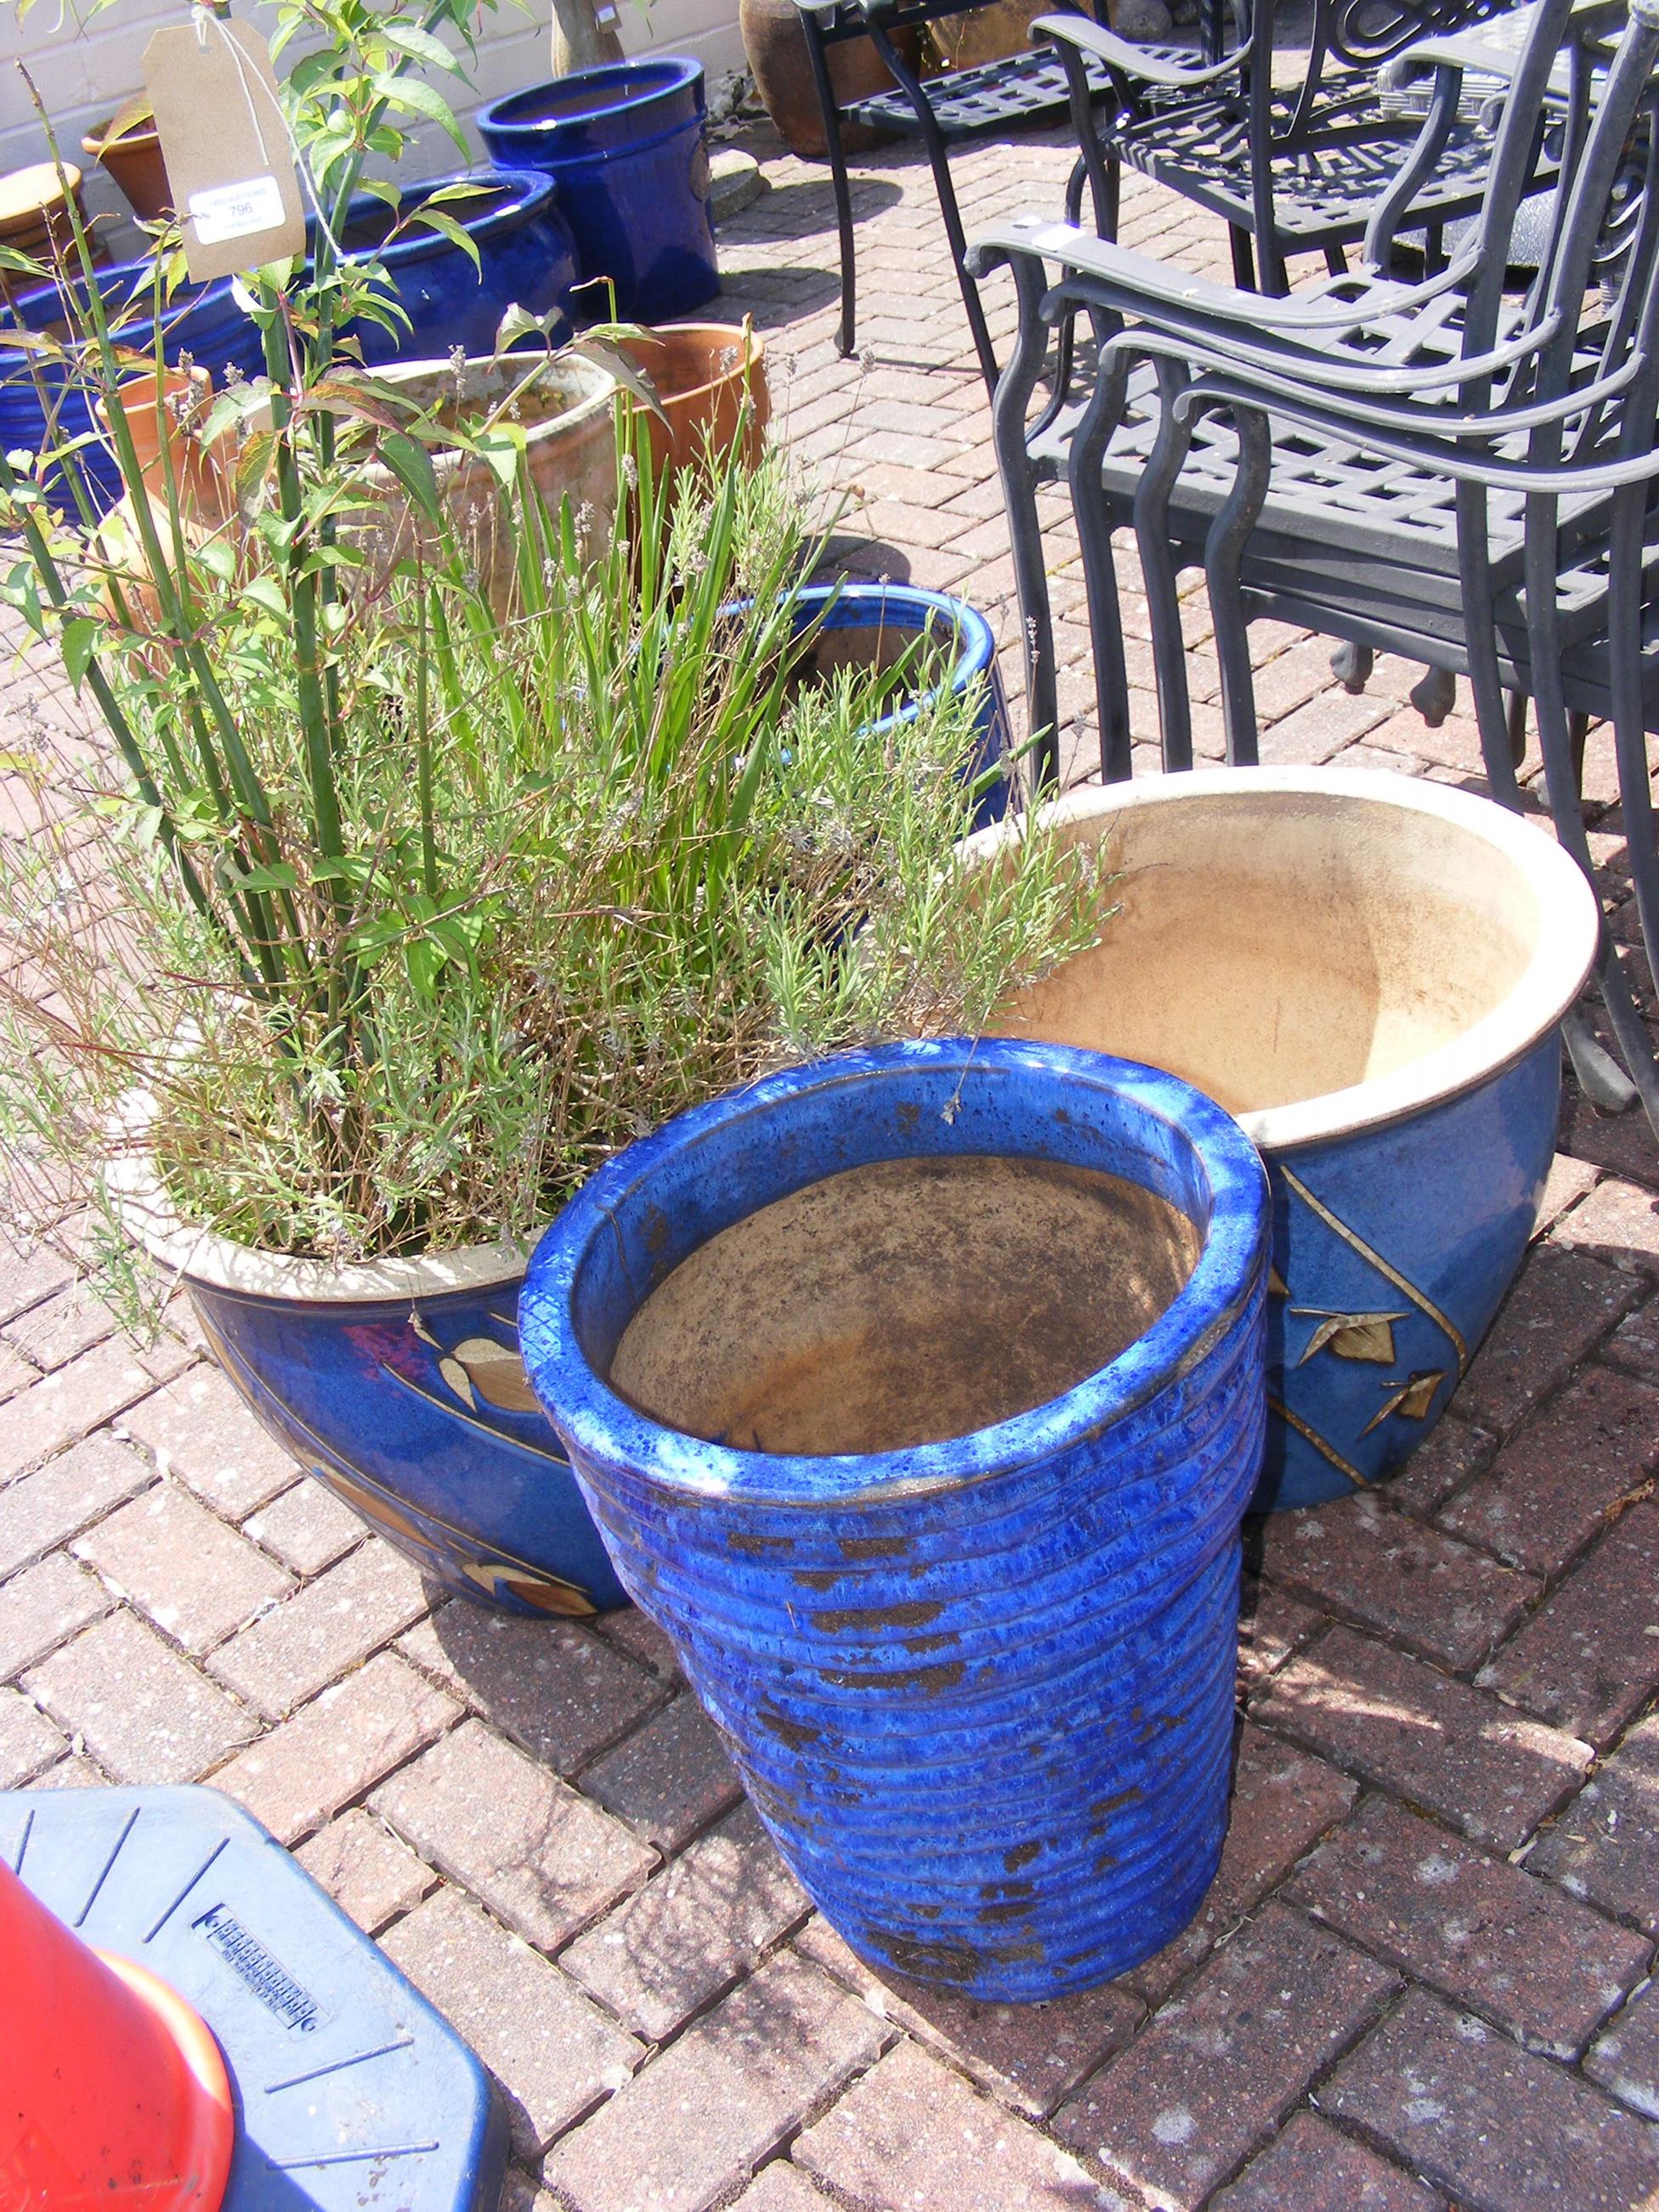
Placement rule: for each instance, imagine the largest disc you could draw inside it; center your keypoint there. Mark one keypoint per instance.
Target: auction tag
(225, 145)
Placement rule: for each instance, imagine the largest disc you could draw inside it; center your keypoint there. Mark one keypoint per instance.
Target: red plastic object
(113, 2091)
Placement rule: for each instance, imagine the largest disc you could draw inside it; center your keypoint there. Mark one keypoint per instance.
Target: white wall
(83, 74)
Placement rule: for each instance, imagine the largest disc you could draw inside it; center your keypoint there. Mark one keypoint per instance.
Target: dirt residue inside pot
(903, 1302)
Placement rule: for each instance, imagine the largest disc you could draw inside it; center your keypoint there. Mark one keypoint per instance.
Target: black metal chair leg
(838, 177)
(1094, 530)
(1243, 260)
(1010, 404)
(1223, 552)
(1434, 694)
(1597, 1074)
(1159, 571)
(1351, 666)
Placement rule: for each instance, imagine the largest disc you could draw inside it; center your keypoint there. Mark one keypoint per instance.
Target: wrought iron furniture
(1447, 469)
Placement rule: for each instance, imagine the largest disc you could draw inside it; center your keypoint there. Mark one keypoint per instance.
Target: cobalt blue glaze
(980, 1691)
(903, 610)
(203, 320)
(624, 144)
(527, 258)
(447, 1456)
(332, 2057)
(1418, 1229)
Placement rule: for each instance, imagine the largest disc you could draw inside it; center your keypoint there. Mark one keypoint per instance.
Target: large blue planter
(980, 1689)
(1370, 971)
(890, 617)
(203, 320)
(624, 144)
(526, 258)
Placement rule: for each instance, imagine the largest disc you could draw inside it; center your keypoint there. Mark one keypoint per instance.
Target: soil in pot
(904, 1301)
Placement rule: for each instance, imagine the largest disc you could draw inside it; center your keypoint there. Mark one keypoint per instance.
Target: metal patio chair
(1451, 470)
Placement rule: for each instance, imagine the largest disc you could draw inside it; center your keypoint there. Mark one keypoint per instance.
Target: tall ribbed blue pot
(526, 259)
(980, 1691)
(624, 144)
(203, 320)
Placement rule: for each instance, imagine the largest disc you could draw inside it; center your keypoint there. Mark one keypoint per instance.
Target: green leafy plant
(400, 893)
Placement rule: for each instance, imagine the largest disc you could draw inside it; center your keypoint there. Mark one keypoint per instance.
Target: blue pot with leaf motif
(918, 1395)
(1370, 971)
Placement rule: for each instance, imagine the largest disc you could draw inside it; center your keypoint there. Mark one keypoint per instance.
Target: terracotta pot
(568, 413)
(198, 478)
(990, 33)
(703, 372)
(128, 147)
(775, 46)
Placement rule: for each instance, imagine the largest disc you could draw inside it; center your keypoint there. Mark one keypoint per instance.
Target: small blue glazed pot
(526, 258)
(980, 1689)
(1370, 971)
(624, 144)
(887, 618)
(202, 320)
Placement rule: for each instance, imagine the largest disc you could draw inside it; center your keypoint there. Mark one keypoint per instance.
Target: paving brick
(1029, 2056)
(28, 1741)
(542, 1858)
(637, 1634)
(783, 2188)
(336, 1747)
(194, 1577)
(27, 1276)
(199, 1429)
(1488, 1770)
(1281, 1802)
(913, 2133)
(1589, 1658)
(1314, 2168)
(78, 1772)
(553, 2052)
(553, 1687)
(1563, 1304)
(1498, 2128)
(707, 1917)
(1635, 1343)
(1452, 1451)
(1618, 1222)
(1549, 1488)
(365, 1869)
(15, 1372)
(145, 1714)
(1217, 2070)
(1482, 1932)
(1569, 1180)
(1272, 1624)
(1413, 1585)
(308, 1528)
(1625, 2059)
(1605, 1846)
(288, 1655)
(38, 1609)
(1621, 1142)
(39, 1511)
(669, 1779)
(70, 1323)
(699, 2118)
(69, 1404)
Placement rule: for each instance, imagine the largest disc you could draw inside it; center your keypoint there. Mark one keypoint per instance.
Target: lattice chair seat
(1019, 93)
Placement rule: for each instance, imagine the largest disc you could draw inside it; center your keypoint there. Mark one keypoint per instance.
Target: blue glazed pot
(397, 1383)
(1370, 971)
(526, 258)
(624, 144)
(980, 1689)
(203, 320)
(885, 619)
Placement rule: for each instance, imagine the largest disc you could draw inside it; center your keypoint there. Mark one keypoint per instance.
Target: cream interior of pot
(903, 1302)
(1274, 948)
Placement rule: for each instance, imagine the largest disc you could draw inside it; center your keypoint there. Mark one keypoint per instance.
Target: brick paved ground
(1422, 1978)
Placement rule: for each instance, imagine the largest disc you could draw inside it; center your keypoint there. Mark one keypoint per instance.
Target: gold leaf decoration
(545, 1592)
(1411, 1400)
(1277, 1286)
(1351, 1335)
(496, 1373)
(458, 1380)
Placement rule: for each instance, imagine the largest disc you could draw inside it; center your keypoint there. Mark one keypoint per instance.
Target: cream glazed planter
(1368, 971)
(398, 1383)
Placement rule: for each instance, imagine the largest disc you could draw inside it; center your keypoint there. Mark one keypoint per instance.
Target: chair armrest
(1132, 60)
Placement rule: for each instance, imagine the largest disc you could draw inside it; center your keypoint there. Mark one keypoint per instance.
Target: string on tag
(202, 15)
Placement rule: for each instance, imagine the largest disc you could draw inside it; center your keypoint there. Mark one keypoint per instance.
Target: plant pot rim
(139, 1197)
(598, 1423)
(524, 193)
(638, 79)
(741, 337)
(1546, 987)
